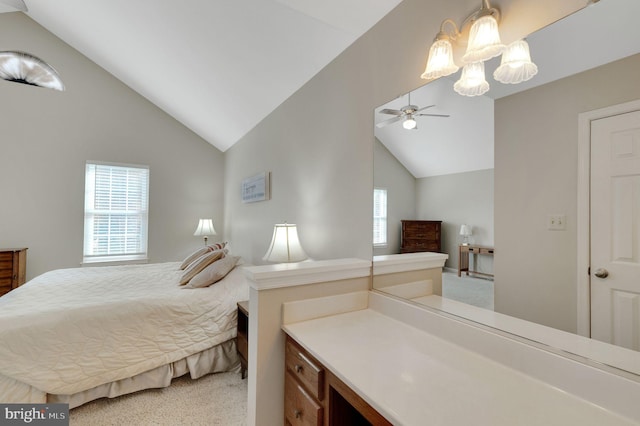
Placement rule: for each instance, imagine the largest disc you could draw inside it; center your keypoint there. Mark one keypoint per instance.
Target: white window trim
(114, 259)
(386, 228)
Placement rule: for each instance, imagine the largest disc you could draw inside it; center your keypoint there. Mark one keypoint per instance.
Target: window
(379, 217)
(116, 201)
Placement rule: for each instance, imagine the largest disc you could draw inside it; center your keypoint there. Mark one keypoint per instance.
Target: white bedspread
(72, 329)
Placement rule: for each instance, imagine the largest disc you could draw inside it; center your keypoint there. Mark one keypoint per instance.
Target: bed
(74, 335)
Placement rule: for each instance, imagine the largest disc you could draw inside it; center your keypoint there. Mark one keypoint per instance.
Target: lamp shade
(516, 66)
(205, 228)
(285, 246)
(484, 40)
(465, 230)
(472, 82)
(440, 62)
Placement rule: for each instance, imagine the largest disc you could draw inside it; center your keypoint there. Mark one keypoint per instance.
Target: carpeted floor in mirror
(215, 399)
(468, 289)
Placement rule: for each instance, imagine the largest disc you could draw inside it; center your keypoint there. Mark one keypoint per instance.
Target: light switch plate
(556, 222)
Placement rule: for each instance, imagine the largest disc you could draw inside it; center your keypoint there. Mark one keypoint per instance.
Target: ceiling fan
(22, 67)
(407, 115)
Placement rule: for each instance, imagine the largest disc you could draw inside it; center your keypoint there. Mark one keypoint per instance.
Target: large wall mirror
(510, 164)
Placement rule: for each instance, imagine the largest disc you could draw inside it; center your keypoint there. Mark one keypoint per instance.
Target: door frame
(583, 219)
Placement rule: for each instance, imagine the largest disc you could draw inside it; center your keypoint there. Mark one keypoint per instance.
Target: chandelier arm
(453, 36)
(484, 10)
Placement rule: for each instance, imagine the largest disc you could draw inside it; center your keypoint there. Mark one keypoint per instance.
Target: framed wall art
(256, 188)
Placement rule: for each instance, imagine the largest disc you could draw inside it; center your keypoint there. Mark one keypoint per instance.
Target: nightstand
(13, 267)
(243, 336)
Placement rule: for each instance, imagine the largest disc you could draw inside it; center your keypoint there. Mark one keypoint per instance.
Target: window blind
(116, 212)
(379, 217)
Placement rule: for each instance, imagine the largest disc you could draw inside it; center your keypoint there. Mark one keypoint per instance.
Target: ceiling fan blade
(389, 121)
(433, 115)
(428, 106)
(21, 67)
(16, 4)
(391, 111)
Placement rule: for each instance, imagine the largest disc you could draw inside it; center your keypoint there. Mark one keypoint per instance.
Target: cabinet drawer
(6, 256)
(486, 250)
(418, 224)
(299, 407)
(6, 273)
(305, 369)
(420, 244)
(424, 235)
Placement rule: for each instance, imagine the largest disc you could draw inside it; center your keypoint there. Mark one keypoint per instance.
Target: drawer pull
(298, 368)
(297, 413)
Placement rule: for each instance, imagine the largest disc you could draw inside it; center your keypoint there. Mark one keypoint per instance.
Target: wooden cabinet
(242, 342)
(314, 396)
(421, 235)
(13, 268)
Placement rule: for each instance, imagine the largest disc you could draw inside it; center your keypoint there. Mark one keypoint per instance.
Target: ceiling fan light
(484, 40)
(409, 123)
(440, 62)
(21, 67)
(516, 65)
(473, 81)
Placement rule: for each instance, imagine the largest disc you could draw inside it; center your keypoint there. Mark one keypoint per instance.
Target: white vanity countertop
(414, 378)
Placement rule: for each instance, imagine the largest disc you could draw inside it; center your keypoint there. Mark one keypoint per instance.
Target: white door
(615, 230)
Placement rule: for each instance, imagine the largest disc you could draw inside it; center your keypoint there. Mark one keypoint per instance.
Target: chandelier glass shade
(484, 40)
(473, 81)
(516, 66)
(440, 62)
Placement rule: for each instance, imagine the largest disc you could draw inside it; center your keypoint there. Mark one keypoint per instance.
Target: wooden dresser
(421, 235)
(13, 268)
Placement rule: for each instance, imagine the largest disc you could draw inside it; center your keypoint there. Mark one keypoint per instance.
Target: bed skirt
(218, 359)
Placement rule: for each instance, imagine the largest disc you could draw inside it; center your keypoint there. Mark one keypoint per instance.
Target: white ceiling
(594, 36)
(217, 66)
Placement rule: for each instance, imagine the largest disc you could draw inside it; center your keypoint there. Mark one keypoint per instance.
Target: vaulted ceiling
(217, 66)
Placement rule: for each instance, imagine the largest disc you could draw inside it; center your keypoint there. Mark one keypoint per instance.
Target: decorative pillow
(214, 272)
(199, 264)
(193, 256)
(202, 250)
(218, 246)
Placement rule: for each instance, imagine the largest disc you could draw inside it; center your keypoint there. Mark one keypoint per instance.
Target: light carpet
(467, 289)
(215, 399)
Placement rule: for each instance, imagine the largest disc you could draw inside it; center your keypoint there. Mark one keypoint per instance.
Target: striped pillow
(199, 264)
(202, 250)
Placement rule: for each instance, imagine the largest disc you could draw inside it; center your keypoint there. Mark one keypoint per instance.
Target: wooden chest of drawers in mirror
(421, 235)
(13, 268)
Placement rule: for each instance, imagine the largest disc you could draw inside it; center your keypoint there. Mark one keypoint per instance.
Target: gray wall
(536, 159)
(391, 175)
(456, 199)
(319, 143)
(47, 137)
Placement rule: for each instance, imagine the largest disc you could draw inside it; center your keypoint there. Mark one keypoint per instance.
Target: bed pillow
(202, 250)
(213, 273)
(199, 264)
